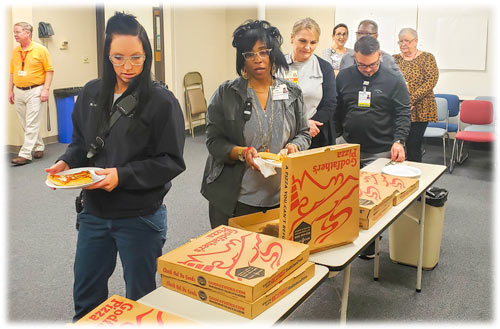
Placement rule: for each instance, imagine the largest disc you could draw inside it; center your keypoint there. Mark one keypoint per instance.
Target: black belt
(28, 88)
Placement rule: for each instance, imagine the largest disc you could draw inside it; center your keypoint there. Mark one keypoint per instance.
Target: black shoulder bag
(126, 107)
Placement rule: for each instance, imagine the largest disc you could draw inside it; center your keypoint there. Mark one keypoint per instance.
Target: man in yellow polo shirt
(31, 74)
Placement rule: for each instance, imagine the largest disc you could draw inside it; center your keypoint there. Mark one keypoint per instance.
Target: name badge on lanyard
(364, 97)
(292, 76)
(280, 92)
(22, 72)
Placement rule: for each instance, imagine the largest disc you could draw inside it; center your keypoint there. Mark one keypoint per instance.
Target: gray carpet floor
(41, 239)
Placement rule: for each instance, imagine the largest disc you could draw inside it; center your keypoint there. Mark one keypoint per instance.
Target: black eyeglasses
(363, 33)
(367, 66)
(249, 55)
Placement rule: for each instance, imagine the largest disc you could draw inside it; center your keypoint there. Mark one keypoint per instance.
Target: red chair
(474, 112)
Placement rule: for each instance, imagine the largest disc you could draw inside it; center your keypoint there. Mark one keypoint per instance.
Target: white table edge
(189, 308)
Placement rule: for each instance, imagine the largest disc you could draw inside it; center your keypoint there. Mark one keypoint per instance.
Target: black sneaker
(367, 256)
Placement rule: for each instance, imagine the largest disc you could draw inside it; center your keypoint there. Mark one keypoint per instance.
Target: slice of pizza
(79, 178)
(271, 156)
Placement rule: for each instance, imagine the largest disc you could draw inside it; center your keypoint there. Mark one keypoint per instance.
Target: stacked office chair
(453, 111)
(473, 112)
(437, 132)
(196, 105)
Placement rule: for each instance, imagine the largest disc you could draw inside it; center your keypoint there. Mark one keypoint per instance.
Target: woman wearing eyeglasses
(316, 79)
(255, 112)
(141, 153)
(334, 54)
(421, 73)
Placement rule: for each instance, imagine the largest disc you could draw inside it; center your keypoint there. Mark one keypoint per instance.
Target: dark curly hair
(248, 33)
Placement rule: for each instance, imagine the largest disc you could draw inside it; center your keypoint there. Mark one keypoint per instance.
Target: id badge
(22, 73)
(292, 76)
(280, 92)
(364, 98)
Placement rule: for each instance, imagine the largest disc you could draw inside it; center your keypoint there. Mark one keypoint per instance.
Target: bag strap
(125, 106)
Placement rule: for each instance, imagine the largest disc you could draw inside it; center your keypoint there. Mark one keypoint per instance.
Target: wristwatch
(400, 141)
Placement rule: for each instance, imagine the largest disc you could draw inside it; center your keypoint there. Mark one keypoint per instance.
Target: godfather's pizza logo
(330, 211)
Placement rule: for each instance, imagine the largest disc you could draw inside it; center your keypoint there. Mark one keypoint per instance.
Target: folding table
(340, 258)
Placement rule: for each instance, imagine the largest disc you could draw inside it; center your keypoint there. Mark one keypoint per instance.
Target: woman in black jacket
(141, 153)
(316, 79)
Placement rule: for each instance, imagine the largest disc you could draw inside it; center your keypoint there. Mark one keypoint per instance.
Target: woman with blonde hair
(315, 78)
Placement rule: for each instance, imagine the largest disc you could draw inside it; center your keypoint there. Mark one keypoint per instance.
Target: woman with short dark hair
(141, 152)
(253, 113)
(334, 54)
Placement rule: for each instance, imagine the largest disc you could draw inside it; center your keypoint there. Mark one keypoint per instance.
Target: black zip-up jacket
(386, 120)
(146, 161)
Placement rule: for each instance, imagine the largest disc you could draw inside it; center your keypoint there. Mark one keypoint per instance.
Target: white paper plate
(273, 163)
(95, 178)
(401, 170)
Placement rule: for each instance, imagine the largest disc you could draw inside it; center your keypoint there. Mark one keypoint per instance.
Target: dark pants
(138, 240)
(414, 141)
(219, 218)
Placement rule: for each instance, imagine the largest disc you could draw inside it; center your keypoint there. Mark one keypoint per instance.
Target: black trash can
(404, 232)
(65, 102)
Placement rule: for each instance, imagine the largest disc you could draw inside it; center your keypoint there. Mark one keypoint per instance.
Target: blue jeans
(138, 240)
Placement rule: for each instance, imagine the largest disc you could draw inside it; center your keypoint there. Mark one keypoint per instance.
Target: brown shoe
(19, 161)
(38, 154)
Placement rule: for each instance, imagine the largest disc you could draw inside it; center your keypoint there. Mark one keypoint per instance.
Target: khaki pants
(29, 111)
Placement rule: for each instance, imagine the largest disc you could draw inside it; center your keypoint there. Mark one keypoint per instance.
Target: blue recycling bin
(65, 102)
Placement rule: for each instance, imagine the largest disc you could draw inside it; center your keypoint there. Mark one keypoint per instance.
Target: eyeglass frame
(367, 66)
(345, 34)
(255, 53)
(406, 42)
(128, 58)
(365, 33)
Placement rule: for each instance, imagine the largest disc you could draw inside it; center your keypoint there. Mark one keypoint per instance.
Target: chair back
(195, 97)
(453, 103)
(476, 112)
(193, 78)
(485, 98)
(196, 101)
(442, 108)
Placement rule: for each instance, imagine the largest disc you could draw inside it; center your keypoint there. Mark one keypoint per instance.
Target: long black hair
(124, 24)
(248, 33)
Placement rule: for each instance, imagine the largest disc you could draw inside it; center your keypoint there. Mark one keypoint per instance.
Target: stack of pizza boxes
(120, 311)
(379, 192)
(319, 203)
(236, 270)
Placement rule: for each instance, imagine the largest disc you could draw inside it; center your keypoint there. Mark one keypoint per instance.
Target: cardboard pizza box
(243, 308)
(320, 196)
(117, 310)
(404, 187)
(241, 264)
(375, 198)
(261, 222)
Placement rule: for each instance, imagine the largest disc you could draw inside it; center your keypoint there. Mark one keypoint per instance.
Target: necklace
(267, 143)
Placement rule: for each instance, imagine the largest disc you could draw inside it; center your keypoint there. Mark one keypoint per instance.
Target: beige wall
(196, 39)
(69, 69)
(284, 18)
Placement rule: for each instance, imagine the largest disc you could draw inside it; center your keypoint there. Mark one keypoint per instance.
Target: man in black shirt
(373, 108)
(373, 105)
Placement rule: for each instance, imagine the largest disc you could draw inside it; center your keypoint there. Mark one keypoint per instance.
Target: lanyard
(23, 58)
(365, 84)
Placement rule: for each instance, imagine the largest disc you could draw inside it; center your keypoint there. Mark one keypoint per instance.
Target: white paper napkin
(266, 169)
